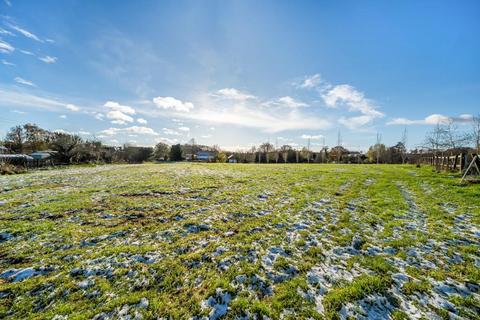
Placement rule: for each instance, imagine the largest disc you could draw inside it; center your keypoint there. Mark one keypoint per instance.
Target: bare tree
(475, 134)
(15, 139)
(266, 148)
(65, 145)
(433, 141)
(161, 151)
(450, 137)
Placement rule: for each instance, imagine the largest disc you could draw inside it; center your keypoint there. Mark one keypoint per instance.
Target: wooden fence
(452, 162)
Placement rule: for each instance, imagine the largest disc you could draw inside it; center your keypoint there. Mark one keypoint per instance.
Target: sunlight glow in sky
(238, 73)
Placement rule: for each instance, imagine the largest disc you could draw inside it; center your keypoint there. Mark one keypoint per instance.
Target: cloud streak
(24, 82)
(432, 119)
(6, 47)
(25, 32)
(48, 59)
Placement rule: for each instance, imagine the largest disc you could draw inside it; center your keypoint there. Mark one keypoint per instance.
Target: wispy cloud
(310, 82)
(72, 107)
(347, 96)
(48, 59)
(287, 102)
(24, 82)
(432, 119)
(315, 137)
(344, 96)
(170, 132)
(233, 94)
(25, 32)
(6, 32)
(28, 53)
(8, 3)
(119, 117)
(19, 97)
(7, 63)
(130, 130)
(6, 47)
(254, 118)
(142, 121)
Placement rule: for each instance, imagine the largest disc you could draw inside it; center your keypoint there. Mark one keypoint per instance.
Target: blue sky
(237, 73)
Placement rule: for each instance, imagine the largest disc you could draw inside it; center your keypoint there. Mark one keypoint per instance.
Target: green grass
(248, 210)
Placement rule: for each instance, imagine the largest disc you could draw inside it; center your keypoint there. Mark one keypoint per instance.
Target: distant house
(16, 159)
(42, 155)
(206, 156)
(3, 150)
(232, 159)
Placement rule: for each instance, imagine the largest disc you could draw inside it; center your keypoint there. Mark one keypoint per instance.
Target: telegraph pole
(379, 140)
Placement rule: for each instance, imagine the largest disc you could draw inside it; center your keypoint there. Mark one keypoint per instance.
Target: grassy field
(239, 242)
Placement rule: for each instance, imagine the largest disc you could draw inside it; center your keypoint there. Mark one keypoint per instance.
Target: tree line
(68, 148)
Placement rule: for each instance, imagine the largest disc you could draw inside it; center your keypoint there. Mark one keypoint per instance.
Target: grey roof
(15, 156)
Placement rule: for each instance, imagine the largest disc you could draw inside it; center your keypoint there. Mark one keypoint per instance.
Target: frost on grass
(207, 241)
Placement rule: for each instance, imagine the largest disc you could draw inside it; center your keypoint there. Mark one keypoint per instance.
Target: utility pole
(276, 150)
(404, 142)
(324, 151)
(379, 140)
(308, 150)
(339, 144)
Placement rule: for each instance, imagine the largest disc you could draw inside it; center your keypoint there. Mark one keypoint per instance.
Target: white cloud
(311, 82)
(316, 137)
(166, 140)
(206, 136)
(99, 116)
(84, 133)
(72, 107)
(63, 116)
(7, 63)
(432, 119)
(142, 121)
(115, 106)
(130, 130)
(19, 98)
(6, 32)
(436, 118)
(355, 122)
(119, 114)
(170, 132)
(184, 129)
(291, 103)
(8, 3)
(24, 82)
(233, 94)
(355, 100)
(6, 47)
(119, 117)
(28, 53)
(173, 104)
(48, 59)
(254, 117)
(25, 33)
(18, 111)
(61, 131)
